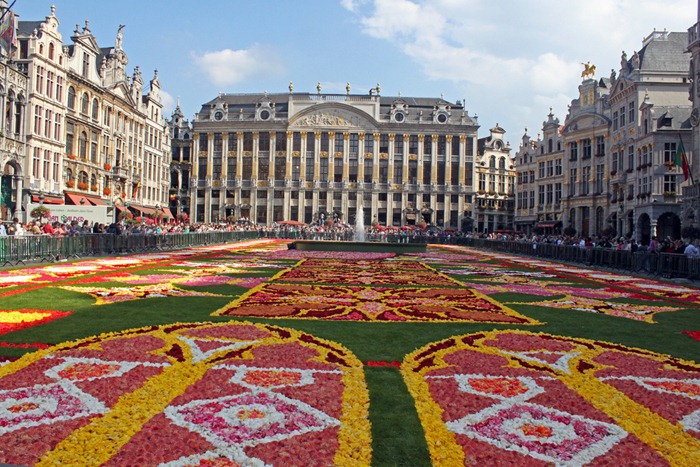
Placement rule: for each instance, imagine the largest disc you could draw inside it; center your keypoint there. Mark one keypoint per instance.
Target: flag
(136, 189)
(681, 161)
(7, 31)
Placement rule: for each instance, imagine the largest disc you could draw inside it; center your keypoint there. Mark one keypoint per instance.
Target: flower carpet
(513, 397)
(251, 354)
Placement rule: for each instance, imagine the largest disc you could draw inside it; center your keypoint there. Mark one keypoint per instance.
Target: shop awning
(47, 200)
(168, 213)
(79, 199)
(549, 224)
(120, 208)
(143, 209)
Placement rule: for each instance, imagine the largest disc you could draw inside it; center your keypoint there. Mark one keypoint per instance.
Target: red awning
(143, 209)
(120, 207)
(168, 213)
(78, 199)
(47, 200)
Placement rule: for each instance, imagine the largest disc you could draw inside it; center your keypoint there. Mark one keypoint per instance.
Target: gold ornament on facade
(280, 153)
(588, 70)
(231, 153)
(392, 136)
(296, 153)
(412, 157)
(324, 154)
(383, 155)
(368, 155)
(338, 155)
(247, 153)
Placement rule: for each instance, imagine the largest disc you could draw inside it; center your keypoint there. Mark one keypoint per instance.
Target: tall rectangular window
(354, 144)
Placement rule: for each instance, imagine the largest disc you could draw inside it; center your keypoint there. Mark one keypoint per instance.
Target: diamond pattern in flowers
(543, 433)
(248, 419)
(510, 388)
(45, 404)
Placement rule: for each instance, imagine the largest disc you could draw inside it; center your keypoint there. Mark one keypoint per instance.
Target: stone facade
(313, 157)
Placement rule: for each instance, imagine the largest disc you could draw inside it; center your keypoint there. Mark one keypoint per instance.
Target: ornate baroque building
(585, 133)
(691, 193)
(307, 157)
(42, 59)
(495, 174)
(92, 134)
(13, 101)
(540, 180)
(181, 163)
(620, 139)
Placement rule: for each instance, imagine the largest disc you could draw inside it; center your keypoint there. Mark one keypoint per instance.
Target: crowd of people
(339, 230)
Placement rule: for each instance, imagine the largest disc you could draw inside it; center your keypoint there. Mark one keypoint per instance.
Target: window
(82, 145)
(669, 153)
(95, 110)
(670, 184)
(36, 162)
(413, 144)
(69, 138)
(86, 64)
(398, 144)
(630, 116)
(541, 170)
(51, 50)
(93, 147)
(339, 142)
(572, 181)
(630, 158)
(39, 79)
(573, 151)
(369, 143)
(48, 123)
(622, 116)
(84, 104)
(550, 168)
(586, 149)
(600, 146)
(49, 83)
(384, 143)
(615, 120)
(47, 165)
(585, 180)
(37, 119)
(59, 88)
(428, 145)
(354, 143)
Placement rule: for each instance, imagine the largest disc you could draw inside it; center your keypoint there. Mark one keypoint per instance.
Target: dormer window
(86, 64)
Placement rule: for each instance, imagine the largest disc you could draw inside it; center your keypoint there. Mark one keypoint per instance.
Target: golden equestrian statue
(588, 70)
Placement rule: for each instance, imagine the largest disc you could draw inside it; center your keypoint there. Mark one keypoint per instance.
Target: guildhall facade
(312, 157)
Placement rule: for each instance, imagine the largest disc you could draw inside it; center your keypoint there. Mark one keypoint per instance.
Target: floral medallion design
(107, 295)
(273, 300)
(516, 398)
(186, 394)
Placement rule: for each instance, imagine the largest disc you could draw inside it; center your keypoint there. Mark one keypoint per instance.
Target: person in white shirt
(692, 250)
(19, 230)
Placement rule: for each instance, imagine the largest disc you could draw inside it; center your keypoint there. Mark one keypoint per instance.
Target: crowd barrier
(23, 249)
(666, 265)
(15, 250)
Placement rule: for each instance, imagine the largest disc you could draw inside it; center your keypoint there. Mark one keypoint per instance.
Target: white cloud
(511, 57)
(168, 103)
(228, 67)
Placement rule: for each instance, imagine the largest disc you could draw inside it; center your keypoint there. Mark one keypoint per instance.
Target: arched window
(84, 104)
(549, 145)
(71, 98)
(95, 109)
(502, 163)
(83, 177)
(51, 50)
(41, 49)
(69, 175)
(492, 162)
(93, 181)
(82, 145)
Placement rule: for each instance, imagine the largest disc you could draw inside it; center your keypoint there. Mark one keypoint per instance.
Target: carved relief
(334, 118)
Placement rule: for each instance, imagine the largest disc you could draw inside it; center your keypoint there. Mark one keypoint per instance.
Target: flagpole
(690, 172)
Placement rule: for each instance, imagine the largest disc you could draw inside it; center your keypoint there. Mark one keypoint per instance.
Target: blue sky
(510, 60)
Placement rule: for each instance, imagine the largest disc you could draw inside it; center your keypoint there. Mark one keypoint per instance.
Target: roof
(246, 104)
(665, 52)
(26, 28)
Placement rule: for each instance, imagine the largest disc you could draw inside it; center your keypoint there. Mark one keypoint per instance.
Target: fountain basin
(375, 247)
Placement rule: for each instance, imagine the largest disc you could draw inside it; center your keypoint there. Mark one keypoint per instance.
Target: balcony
(120, 172)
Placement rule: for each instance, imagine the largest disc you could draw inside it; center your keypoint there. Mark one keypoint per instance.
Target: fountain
(360, 225)
(359, 242)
